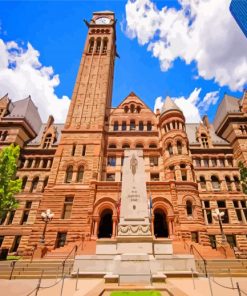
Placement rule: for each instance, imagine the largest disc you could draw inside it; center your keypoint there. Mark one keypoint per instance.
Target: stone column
(189, 173)
(95, 227)
(25, 163)
(114, 227)
(178, 173)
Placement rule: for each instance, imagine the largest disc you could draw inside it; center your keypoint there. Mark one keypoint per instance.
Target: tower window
(98, 44)
(204, 139)
(115, 126)
(105, 42)
(80, 174)
(169, 149)
(179, 147)
(189, 208)
(47, 141)
(91, 45)
(202, 182)
(69, 174)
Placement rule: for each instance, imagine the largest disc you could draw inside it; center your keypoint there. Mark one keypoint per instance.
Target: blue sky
(180, 69)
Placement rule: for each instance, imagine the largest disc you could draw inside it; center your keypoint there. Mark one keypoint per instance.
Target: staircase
(223, 267)
(207, 252)
(25, 269)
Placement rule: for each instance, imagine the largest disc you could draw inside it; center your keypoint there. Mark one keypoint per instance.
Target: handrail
(192, 248)
(75, 248)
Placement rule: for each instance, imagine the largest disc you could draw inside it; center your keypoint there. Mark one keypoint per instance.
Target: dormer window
(47, 141)
(204, 140)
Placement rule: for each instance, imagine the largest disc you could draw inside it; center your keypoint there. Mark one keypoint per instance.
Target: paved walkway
(92, 287)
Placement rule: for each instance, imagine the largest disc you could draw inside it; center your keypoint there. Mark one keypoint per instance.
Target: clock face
(102, 21)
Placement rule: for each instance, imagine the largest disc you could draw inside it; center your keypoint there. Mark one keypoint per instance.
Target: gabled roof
(25, 109)
(169, 104)
(229, 104)
(132, 97)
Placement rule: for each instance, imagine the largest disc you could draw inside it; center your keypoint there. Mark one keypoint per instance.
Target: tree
(9, 185)
(243, 176)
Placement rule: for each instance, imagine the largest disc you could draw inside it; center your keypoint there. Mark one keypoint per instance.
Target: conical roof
(169, 105)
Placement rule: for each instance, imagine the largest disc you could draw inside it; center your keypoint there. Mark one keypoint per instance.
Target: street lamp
(46, 217)
(217, 216)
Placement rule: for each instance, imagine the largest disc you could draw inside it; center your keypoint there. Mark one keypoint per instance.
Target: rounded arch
(152, 145)
(69, 174)
(104, 203)
(160, 223)
(139, 145)
(125, 145)
(112, 146)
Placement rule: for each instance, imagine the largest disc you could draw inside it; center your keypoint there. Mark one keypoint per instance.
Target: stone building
(74, 168)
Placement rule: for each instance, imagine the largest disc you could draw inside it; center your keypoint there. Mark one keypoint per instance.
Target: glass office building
(238, 9)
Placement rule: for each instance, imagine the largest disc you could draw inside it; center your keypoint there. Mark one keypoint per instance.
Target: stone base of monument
(134, 260)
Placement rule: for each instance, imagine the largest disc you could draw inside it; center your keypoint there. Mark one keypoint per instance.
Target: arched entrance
(105, 225)
(160, 224)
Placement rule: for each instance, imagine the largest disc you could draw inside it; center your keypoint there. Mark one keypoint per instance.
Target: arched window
(124, 126)
(204, 139)
(24, 182)
(126, 109)
(47, 141)
(189, 208)
(73, 150)
(115, 126)
(45, 183)
(138, 109)
(132, 125)
(179, 147)
(125, 146)
(139, 145)
(34, 184)
(169, 149)
(111, 146)
(98, 44)
(183, 172)
(149, 126)
(152, 145)
(69, 174)
(80, 174)
(105, 42)
(91, 45)
(228, 183)
(132, 108)
(215, 183)
(237, 183)
(202, 182)
(140, 125)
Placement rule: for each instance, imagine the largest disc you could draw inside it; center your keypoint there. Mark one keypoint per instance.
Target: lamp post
(217, 216)
(46, 217)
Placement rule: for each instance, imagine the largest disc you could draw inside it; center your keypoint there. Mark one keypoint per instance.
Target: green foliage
(9, 185)
(135, 293)
(243, 176)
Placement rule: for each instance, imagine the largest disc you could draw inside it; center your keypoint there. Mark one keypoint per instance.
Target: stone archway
(106, 224)
(160, 224)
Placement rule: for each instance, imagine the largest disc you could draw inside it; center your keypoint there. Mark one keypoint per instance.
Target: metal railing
(192, 249)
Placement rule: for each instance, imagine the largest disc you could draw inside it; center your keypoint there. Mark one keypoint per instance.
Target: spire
(169, 105)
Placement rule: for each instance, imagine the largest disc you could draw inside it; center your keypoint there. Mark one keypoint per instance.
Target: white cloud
(193, 105)
(202, 31)
(22, 74)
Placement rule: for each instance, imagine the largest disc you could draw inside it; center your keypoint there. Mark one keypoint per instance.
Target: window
(34, 184)
(149, 126)
(24, 182)
(154, 176)
(222, 208)
(237, 183)
(183, 172)
(204, 139)
(3, 216)
(105, 42)
(16, 243)
(214, 162)
(69, 174)
(212, 240)
(228, 183)
(125, 146)
(139, 145)
(61, 239)
(98, 44)
(110, 177)
(132, 108)
(112, 146)
(1, 240)
(29, 163)
(10, 217)
(124, 126)
(111, 161)
(206, 163)
(80, 174)
(221, 162)
(195, 237)
(91, 45)
(169, 149)
(197, 162)
(126, 109)
(241, 210)
(152, 145)
(67, 207)
(3, 136)
(47, 141)
(83, 152)
(141, 127)
(115, 126)
(154, 160)
(202, 182)
(231, 239)
(45, 183)
(26, 212)
(230, 162)
(138, 109)
(132, 125)
(179, 147)
(189, 208)
(207, 211)
(73, 150)
(215, 183)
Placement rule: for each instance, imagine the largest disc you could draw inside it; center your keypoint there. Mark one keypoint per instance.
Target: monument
(135, 256)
